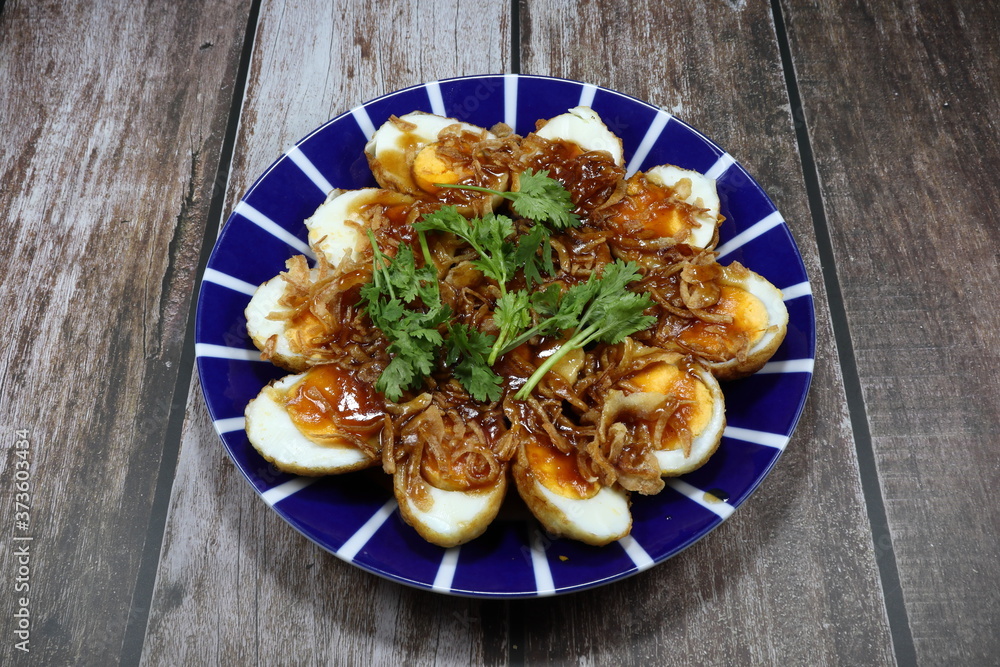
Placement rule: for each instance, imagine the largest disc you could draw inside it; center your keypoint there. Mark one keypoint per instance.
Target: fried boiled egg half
(757, 324)
(564, 502)
(455, 501)
(262, 327)
(320, 422)
(583, 127)
(670, 203)
(418, 152)
(690, 432)
(337, 229)
(448, 517)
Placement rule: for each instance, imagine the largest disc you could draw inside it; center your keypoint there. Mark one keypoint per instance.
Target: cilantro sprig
(413, 332)
(466, 351)
(404, 300)
(512, 316)
(599, 310)
(487, 236)
(538, 197)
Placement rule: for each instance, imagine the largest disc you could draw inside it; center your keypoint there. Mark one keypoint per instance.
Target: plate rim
(300, 527)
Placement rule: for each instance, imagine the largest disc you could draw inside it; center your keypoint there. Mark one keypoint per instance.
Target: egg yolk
(329, 402)
(695, 400)
(430, 167)
(558, 472)
(748, 325)
(465, 473)
(394, 206)
(656, 208)
(305, 327)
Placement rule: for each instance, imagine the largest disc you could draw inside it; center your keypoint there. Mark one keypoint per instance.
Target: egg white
(583, 127)
(330, 230)
(273, 434)
(449, 518)
(390, 142)
(264, 302)
(703, 195)
(777, 325)
(598, 520)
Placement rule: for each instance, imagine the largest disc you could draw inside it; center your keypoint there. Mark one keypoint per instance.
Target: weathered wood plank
(901, 104)
(235, 582)
(111, 143)
(792, 576)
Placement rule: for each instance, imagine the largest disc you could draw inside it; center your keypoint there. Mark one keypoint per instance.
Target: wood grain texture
(341, 56)
(791, 577)
(901, 105)
(237, 584)
(111, 142)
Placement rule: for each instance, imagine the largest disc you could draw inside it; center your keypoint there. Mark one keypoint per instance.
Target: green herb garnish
(539, 198)
(404, 301)
(413, 331)
(466, 351)
(599, 310)
(487, 236)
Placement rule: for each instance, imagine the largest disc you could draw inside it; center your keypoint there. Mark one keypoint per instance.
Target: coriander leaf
(546, 302)
(391, 301)
(539, 198)
(396, 378)
(512, 315)
(526, 255)
(544, 199)
(486, 235)
(469, 347)
(604, 311)
(557, 311)
(403, 274)
(445, 219)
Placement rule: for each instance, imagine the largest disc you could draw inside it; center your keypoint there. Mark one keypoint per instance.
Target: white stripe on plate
(446, 571)
(540, 564)
(718, 507)
(652, 134)
(587, 95)
(434, 96)
(282, 491)
(747, 235)
(636, 552)
(795, 291)
(223, 352)
(510, 100)
(230, 424)
(788, 366)
(364, 121)
(310, 170)
(757, 437)
(724, 162)
(220, 278)
(272, 228)
(359, 539)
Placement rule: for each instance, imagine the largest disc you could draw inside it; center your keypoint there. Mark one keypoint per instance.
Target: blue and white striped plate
(355, 516)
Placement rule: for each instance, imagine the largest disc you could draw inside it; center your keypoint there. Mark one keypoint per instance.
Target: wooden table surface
(130, 131)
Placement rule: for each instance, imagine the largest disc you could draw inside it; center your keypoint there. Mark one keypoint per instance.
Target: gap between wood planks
(515, 622)
(142, 596)
(871, 487)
